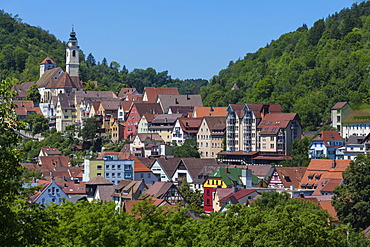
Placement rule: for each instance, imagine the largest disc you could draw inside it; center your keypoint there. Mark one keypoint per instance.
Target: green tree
(193, 198)
(351, 200)
(90, 129)
(37, 123)
(187, 149)
(21, 224)
(34, 94)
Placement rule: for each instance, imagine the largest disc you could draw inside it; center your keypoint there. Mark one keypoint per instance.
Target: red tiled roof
(51, 151)
(47, 60)
(272, 123)
(328, 135)
(153, 92)
(320, 169)
(291, 176)
(99, 180)
(201, 111)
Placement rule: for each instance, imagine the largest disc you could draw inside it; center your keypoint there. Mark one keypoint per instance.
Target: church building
(53, 80)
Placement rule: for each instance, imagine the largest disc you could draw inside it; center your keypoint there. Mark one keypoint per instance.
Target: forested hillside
(23, 47)
(307, 71)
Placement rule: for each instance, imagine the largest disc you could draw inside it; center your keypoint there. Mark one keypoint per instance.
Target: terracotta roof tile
(272, 123)
(153, 92)
(339, 105)
(47, 60)
(200, 111)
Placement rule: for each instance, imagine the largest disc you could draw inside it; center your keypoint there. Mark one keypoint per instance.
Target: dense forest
(306, 71)
(23, 47)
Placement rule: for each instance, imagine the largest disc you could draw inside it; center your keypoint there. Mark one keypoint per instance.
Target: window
(127, 167)
(272, 138)
(98, 174)
(272, 146)
(99, 167)
(73, 53)
(107, 175)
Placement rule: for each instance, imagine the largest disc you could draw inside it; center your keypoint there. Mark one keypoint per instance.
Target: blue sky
(190, 39)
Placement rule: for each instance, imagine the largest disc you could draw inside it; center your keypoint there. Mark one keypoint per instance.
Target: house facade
(326, 144)
(210, 136)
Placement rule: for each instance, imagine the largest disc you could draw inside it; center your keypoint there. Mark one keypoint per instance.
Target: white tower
(72, 53)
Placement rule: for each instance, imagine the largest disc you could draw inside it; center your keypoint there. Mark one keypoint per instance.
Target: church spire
(72, 54)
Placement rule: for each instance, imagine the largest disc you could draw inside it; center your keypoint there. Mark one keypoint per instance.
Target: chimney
(227, 169)
(334, 164)
(176, 101)
(211, 109)
(187, 97)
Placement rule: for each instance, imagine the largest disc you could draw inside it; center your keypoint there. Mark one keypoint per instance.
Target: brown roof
(185, 111)
(168, 165)
(99, 180)
(181, 100)
(71, 187)
(22, 89)
(190, 125)
(165, 118)
(273, 122)
(339, 105)
(158, 189)
(241, 193)
(51, 151)
(66, 101)
(149, 117)
(110, 105)
(328, 135)
(195, 165)
(125, 91)
(216, 123)
(200, 111)
(153, 92)
(151, 136)
(320, 169)
(105, 192)
(48, 75)
(94, 95)
(63, 81)
(148, 108)
(25, 107)
(55, 161)
(261, 170)
(47, 60)
(291, 176)
(139, 166)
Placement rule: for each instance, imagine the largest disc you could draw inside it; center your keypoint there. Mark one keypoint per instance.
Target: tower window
(74, 53)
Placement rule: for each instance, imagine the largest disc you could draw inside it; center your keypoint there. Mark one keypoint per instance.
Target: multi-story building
(136, 113)
(241, 125)
(110, 165)
(185, 128)
(276, 133)
(163, 125)
(326, 145)
(210, 136)
(66, 113)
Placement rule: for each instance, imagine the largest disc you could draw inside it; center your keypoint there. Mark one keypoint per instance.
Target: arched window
(74, 53)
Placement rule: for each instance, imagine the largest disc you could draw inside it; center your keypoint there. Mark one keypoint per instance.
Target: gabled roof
(110, 105)
(228, 175)
(23, 88)
(94, 95)
(152, 92)
(165, 118)
(190, 125)
(66, 101)
(55, 161)
(216, 123)
(241, 193)
(149, 117)
(63, 81)
(181, 100)
(158, 189)
(139, 166)
(168, 165)
(47, 60)
(262, 171)
(320, 169)
(48, 75)
(99, 180)
(272, 123)
(25, 107)
(339, 105)
(104, 192)
(195, 165)
(328, 135)
(200, 111)
(147, 108)
(327, 185)
(151, 136)
(291, 176)
(51, 151)
(124, 91)
(185, 111)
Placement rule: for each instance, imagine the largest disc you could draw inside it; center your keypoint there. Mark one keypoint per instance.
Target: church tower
(72, 55)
